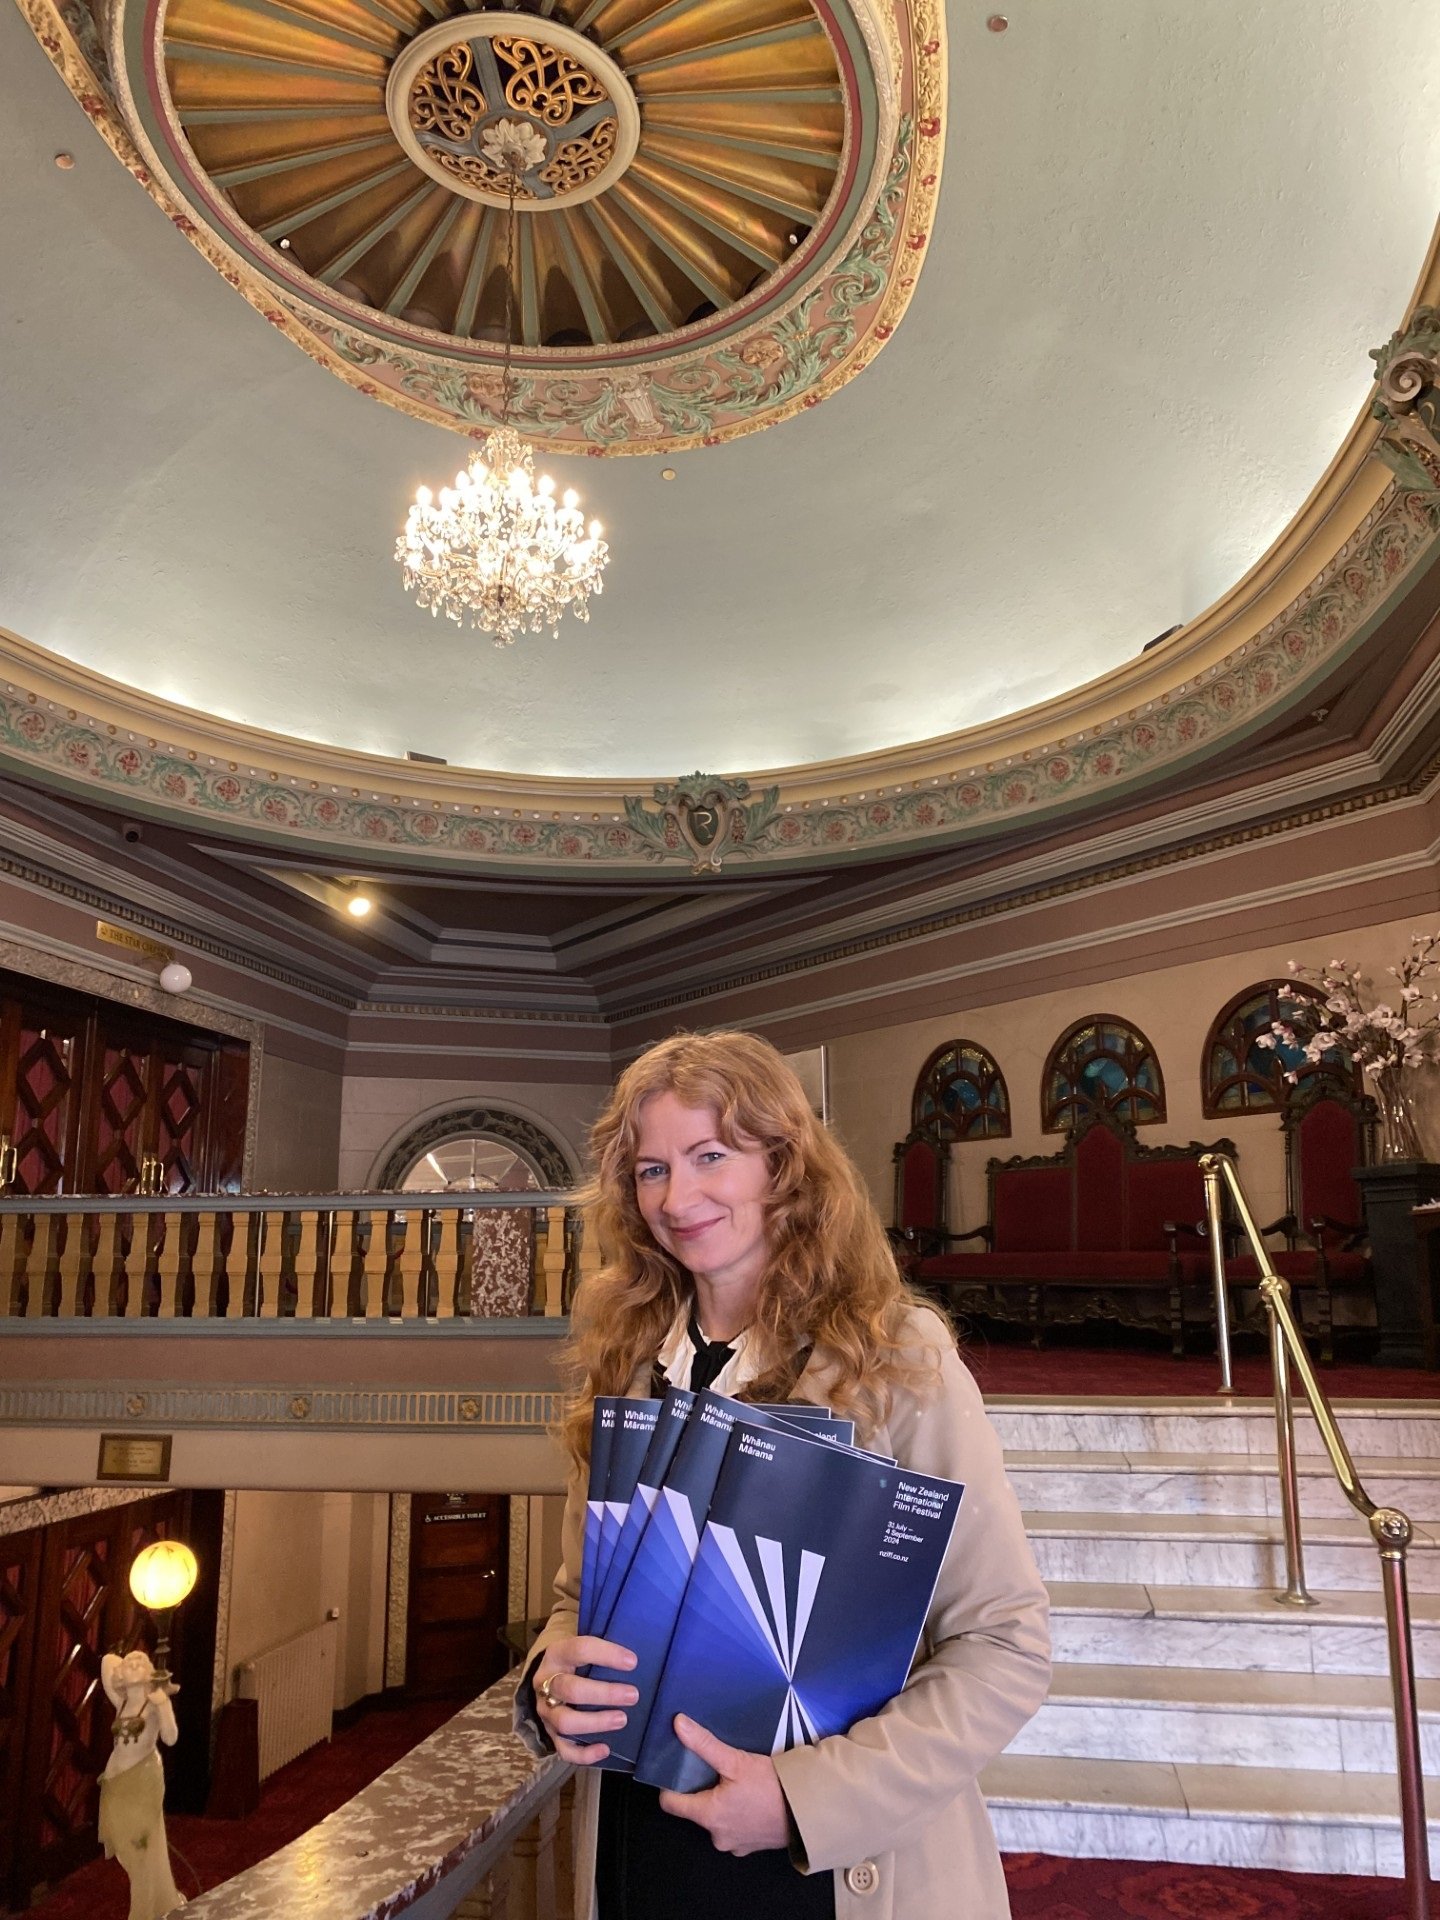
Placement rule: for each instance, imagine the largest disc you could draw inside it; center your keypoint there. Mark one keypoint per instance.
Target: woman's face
(703, 1201)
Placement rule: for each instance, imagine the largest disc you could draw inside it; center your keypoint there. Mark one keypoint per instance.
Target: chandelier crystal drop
(497, 549)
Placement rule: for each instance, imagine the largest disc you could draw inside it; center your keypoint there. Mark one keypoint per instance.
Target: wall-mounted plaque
(134, 1456)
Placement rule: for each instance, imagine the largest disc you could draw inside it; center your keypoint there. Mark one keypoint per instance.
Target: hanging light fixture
(497, 549)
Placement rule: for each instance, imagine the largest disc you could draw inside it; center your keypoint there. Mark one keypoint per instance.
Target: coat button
(864, 1878)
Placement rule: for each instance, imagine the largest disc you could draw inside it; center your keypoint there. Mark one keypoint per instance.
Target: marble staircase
(1192, 1718)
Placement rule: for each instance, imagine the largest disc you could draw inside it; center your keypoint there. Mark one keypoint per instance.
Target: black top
(650, 1865)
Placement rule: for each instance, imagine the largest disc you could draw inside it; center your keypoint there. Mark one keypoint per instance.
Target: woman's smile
(703, 1199)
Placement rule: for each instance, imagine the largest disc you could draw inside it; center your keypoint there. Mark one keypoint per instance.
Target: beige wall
(377, 1109)
(297, 1555)
(297, 1142)
(872, 1074)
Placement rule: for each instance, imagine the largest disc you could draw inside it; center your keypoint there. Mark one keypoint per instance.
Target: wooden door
(19, 1589)
(121, 1120)
(74, 1607)
(459, 1592)
(42, 1052)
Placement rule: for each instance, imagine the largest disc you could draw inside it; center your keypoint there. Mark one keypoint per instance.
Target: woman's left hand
(745, 1812)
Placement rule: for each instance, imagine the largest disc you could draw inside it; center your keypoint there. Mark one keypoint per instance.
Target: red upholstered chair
(1329, 1131)
(922, 1193)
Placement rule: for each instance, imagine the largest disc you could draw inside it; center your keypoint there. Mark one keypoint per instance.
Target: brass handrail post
(1390, 1529)
(1210, 1169)
(1392, 1532)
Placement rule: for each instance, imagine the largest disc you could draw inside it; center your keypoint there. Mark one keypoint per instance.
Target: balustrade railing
(270, 1256)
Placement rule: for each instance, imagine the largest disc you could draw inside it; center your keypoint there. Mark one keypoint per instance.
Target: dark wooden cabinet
(98, 1098)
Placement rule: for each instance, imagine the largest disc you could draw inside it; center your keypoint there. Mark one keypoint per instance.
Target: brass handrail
(1389, 1528)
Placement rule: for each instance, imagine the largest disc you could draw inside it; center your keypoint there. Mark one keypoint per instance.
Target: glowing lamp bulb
(423, 497)
(572, 499)
(358, 905)
(546, 485)
(594, 529)
(162, 1574)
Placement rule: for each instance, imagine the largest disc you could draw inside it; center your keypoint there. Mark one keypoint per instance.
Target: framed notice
(812, 1069)
(134, 1456)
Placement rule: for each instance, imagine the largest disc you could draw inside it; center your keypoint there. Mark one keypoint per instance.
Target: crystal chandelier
(497, 549)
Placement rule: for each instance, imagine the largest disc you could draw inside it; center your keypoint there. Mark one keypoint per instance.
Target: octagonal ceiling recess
(1167, 239)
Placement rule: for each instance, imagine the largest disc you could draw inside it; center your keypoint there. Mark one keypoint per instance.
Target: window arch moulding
(1240, 1076)
(960, 1094)
(532, 1143)
(1101, 1064)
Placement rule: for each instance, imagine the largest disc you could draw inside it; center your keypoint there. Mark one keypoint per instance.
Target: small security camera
(131, 831)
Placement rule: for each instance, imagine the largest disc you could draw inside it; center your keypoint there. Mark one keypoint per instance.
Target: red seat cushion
(919, 1186)
(1096, 1266)
(1298, 1268)
(1328, 1143)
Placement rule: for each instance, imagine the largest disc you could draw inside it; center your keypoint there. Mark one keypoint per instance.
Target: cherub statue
(132, 1787)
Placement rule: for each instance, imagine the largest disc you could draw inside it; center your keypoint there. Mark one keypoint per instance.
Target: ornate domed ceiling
(1167, 241)
(709, 236)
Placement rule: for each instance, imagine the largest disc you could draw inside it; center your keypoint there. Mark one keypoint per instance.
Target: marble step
(1398, 1429)
(1329, 1723)
(1234, 1628)
(1303, 1822)
(1235, 1483)
(1213, 1550)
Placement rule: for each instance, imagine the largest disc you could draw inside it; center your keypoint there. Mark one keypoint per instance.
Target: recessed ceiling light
(359, 904)
(667, 473)
(286, 245)
(997, 23)
(65, 161)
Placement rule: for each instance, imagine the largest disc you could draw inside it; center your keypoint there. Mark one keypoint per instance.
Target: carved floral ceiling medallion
(727, 213)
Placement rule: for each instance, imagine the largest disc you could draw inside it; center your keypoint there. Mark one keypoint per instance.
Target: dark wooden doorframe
(458, 1592)
(64, 1601)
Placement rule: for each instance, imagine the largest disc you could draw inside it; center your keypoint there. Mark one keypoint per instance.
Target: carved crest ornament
(1407, 401)
(704, 815)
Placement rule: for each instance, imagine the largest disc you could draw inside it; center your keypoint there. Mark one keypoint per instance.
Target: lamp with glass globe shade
(161, 1576)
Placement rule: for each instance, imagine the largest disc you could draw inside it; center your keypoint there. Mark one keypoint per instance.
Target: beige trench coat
(893, 1807)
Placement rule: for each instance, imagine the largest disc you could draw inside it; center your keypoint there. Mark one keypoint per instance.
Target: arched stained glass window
(960, 1094)
(1101, 1065)
(1241, 1076)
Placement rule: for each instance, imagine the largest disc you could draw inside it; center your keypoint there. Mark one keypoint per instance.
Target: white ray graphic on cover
(784, 1646)
(684, 1520)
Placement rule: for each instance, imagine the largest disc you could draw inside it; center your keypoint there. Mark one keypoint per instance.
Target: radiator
(295, 1686)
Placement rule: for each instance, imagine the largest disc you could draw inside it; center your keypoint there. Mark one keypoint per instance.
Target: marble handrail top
(459, 1793)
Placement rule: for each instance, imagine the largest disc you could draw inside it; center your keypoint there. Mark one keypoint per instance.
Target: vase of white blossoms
(1390, 1041)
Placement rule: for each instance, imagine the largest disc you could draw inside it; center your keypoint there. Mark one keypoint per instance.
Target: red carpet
(1041, 1888)
(1130, 1372)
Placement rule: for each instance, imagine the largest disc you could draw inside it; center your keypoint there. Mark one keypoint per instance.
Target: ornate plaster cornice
(71, 1403)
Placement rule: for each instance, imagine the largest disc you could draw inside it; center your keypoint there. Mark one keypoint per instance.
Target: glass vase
(1395, 1099)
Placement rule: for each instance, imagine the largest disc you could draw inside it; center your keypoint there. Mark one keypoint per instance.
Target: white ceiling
(1169, 232)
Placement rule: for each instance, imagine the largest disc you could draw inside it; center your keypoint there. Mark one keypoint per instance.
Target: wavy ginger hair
(830, 1283)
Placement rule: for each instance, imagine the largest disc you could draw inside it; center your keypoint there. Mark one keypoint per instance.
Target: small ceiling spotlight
(667, 473)
(285, 244)
(358, 905)
(997, 23)
(65, 161)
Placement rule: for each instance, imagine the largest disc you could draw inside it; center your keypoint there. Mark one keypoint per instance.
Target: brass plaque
(134, 1456)
(114, 936)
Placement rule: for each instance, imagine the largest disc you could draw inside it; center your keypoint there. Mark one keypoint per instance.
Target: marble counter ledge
(451, 1806)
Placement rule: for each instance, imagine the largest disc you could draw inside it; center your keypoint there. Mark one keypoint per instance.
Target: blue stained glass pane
(1103, 1076)
(1146, 1076)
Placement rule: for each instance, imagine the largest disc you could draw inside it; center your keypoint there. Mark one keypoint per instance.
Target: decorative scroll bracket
(1407, 401)
(703, 815)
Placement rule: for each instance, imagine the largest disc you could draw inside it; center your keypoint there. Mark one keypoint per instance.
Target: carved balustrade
(356, 1256)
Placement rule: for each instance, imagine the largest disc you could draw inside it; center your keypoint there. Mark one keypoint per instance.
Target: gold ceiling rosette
(727, 213)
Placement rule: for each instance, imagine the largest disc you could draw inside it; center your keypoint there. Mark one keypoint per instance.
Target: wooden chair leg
(1177, 1323)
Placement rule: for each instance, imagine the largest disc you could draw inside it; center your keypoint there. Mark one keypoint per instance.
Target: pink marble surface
(414, 1824)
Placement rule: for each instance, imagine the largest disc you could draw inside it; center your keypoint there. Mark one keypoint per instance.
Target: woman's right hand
(567, 1702)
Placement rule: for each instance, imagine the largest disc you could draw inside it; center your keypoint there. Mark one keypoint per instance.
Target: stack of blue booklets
(771, 1579)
